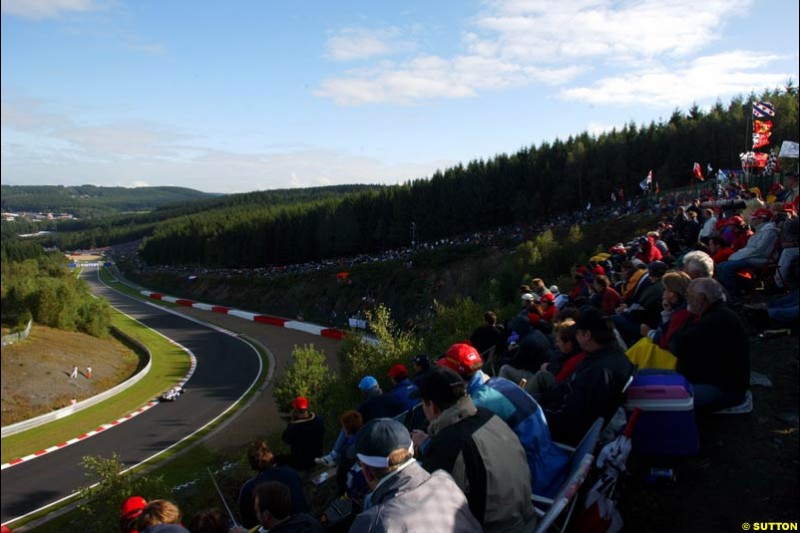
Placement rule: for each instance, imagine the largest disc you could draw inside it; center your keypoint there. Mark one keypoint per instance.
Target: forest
(515, 188)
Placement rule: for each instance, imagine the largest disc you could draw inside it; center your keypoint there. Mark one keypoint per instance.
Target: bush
(308, 375)
(452, 323)
(100, 510)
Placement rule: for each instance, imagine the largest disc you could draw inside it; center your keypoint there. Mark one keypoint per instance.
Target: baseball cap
(462, 358)
(548, 297)
(300, 403)
(367, 383)
(762, 212)
(132, 507)
(441, 385)
(398, 371)
(378, 439)
(527, 297)
(554, 289)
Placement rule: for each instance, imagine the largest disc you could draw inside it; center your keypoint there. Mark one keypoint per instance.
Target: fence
(11, 338)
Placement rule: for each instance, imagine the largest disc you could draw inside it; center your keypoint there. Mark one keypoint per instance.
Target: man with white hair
(713, 352)
(698, 264)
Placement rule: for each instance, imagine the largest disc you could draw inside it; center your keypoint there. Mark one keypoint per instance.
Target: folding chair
(549, 510)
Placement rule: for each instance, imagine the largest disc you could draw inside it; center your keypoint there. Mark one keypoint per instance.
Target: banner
(763, 110)
(645, 183)
(790, 149)
(697, 171)
(760, 140)
(762, 126)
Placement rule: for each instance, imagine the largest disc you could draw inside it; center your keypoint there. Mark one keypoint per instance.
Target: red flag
(698, 172)
(761, 139)
(762, 126)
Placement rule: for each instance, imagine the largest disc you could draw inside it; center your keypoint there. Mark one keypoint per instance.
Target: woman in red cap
(129, 513)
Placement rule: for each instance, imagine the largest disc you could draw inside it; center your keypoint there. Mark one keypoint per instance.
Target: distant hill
(90, 201)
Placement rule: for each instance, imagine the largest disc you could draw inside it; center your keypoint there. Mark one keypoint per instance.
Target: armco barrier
(313, 329)
(19, 427)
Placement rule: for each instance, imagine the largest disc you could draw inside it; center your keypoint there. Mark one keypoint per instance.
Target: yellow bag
(646, 354)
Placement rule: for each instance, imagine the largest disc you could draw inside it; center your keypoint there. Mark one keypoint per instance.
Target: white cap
(527, 297)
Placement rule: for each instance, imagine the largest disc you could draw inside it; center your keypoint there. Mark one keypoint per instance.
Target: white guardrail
(19, 427)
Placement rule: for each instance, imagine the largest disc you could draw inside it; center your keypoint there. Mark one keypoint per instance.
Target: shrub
(308, 375)
(452, 323)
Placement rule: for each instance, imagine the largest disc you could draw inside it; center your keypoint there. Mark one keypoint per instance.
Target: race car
(172, 394)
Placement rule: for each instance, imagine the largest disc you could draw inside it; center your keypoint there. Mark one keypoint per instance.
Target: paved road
(226, 367)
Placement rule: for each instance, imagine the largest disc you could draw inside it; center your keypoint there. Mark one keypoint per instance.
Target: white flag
(790, 149)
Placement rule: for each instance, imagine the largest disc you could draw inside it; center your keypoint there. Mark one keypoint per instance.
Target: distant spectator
(549, 308)
(570, 353)
(709, 224)
(719, 249)
(789, 253)
(304, 435)
(479, 450)
(698, 264)
(422, 364)
(526, 356)
(539, 288)
(605, 297)
(404, 496)
(262, 460)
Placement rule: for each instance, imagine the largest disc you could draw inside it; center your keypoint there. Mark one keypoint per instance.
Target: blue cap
(367, 383)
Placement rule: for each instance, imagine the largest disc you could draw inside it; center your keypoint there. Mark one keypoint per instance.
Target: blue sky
(240, 96)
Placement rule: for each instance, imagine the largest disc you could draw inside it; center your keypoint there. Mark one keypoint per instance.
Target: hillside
(88, 201)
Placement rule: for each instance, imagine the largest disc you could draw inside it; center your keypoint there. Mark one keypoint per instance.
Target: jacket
(412, 499)
(594, 390)
(487, 462)
(304, 436)
(299, 523)
(379, 405)
(714, 350)
(402, 391)
(760, 246)
(546, 461)
(281, 474)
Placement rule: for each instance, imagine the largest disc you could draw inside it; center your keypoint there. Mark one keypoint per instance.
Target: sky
(238, 96)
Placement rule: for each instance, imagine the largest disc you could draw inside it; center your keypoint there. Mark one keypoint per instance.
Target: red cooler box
(666, 425)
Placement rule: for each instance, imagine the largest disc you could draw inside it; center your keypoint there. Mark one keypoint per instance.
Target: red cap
(548, 297)
(398, 371)
(300, 403)
(598, 270)
(762, 212)
(132, 507)
(462, 358)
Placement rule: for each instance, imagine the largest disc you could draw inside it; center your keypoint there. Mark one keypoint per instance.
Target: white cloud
(363, 43)
(40, 9)
(728, 74)
(529, 42)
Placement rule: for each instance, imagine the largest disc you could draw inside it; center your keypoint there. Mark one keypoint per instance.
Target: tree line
(515, 188)
(38, 285)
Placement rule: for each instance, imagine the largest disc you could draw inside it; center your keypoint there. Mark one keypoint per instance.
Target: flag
(762, 126)
(790, 149)
(763, 109)
(645, 183)
(697, 171)
(761, 139)
(709, 169)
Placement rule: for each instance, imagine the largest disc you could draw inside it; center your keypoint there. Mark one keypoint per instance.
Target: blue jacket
(546, 461)
(402, 391)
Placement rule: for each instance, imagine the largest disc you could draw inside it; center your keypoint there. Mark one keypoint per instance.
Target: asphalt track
(226, 368)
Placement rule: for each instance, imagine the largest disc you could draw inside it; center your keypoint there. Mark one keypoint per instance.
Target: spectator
(129, 513)
(781, 312)
(517, 409)
(756, 253)
(481, 452)
(605, 297)
(549, 308)
(713, 352)
(422, 365)
(489, 335)
(570, 353)
(160, 516)
(789, 253)
(209, 521)
(403, 387)
(698, 264)
(376, 404)
(262, 460)
(273, 508)
(538, 287)
(561, 299)
(692, 229)
(404, 496)
(531, 351)
(644, 307)
(719, 249)
(304, 435)
(709, 224)
(595, 389)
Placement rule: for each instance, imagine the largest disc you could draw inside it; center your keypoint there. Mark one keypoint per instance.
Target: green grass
(120, 286)
(170, 365)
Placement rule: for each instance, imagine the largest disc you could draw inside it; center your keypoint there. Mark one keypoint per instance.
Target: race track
(226, 368)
